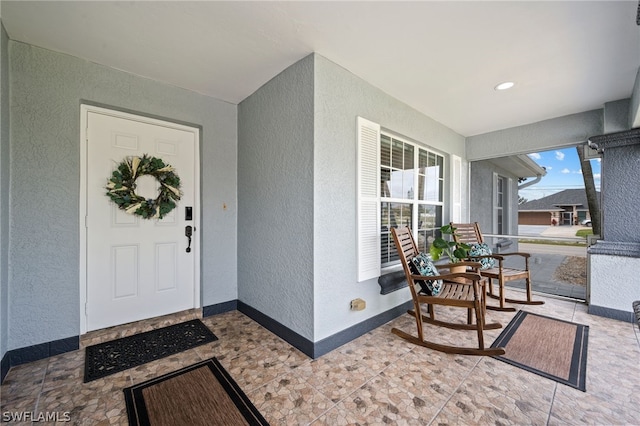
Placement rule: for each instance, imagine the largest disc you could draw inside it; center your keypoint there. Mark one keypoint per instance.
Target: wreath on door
(121, 187)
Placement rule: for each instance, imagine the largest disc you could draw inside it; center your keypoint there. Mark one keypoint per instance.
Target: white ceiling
(442, 58)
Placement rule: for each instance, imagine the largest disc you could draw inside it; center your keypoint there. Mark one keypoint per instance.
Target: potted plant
(456, 252)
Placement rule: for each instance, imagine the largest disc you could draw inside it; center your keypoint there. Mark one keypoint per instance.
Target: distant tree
(521, 200)
(590, 188)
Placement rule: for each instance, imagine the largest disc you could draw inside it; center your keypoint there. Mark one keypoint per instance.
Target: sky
(564, 171)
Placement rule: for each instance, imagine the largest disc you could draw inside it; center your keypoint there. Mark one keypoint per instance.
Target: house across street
(568, 207)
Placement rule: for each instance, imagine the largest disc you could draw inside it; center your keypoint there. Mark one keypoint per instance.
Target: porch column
(615, 260)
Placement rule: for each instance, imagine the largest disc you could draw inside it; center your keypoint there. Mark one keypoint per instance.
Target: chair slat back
(468, 233)
(407, 249)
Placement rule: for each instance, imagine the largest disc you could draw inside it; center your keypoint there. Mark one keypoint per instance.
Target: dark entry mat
(118, 355)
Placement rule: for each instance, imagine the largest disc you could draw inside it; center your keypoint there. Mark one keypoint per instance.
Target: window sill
(392, 279)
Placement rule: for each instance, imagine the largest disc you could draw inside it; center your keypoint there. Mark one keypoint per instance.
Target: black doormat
(118, 355)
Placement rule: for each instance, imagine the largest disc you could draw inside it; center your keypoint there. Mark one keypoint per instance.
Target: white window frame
(506, 204)
(369, 198)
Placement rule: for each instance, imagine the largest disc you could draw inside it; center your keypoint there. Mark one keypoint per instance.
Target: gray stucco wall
(481, 188)
(340, 97)
(481, 198)
(616, 116)
(297, 196)
(559, 132)
(621, 169)
(614, 260)
(275, 198)
(47, 89)
(4, 188)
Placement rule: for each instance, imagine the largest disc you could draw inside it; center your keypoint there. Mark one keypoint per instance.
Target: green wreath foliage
(121, 187)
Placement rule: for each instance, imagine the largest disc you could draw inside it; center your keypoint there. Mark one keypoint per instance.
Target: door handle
(188, 232)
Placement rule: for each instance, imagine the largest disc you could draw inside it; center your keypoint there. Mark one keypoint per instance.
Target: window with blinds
(411, 193)
(400, 183)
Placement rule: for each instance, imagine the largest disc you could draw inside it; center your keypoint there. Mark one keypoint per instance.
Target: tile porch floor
(375, 379)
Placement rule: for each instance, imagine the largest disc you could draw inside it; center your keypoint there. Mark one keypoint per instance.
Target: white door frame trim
(84, 112)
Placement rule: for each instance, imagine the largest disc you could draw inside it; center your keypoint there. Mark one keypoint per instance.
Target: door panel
(137, 268)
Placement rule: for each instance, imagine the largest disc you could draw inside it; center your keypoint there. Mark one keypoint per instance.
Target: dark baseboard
(294, 339)
(36, 352)
(219, 308)
(4, 367)
(615, 314)
(335, 341)
(317, 349)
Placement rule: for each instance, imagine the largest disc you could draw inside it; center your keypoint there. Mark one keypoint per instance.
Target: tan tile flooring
(375, 379)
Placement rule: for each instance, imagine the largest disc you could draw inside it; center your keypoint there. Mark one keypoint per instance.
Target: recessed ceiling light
(504, 86)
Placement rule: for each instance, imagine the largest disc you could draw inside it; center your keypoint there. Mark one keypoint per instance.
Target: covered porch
(279, 241)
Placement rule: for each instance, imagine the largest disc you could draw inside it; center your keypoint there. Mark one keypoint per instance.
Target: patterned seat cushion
(482, 249)
(421, 264)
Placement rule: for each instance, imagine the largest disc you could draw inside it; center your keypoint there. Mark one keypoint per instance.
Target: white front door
(138, 268)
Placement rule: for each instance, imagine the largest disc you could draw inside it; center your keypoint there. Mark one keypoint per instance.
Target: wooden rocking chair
(468, 294)
(469, 233)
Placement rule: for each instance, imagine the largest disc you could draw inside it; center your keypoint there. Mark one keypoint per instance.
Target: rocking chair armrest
(468, 263)
(488, 256)
(472, 276)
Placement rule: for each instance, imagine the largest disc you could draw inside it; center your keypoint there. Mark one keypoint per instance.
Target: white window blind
(368, 187)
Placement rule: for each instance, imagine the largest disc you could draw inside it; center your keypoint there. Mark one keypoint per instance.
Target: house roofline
(519, 165)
